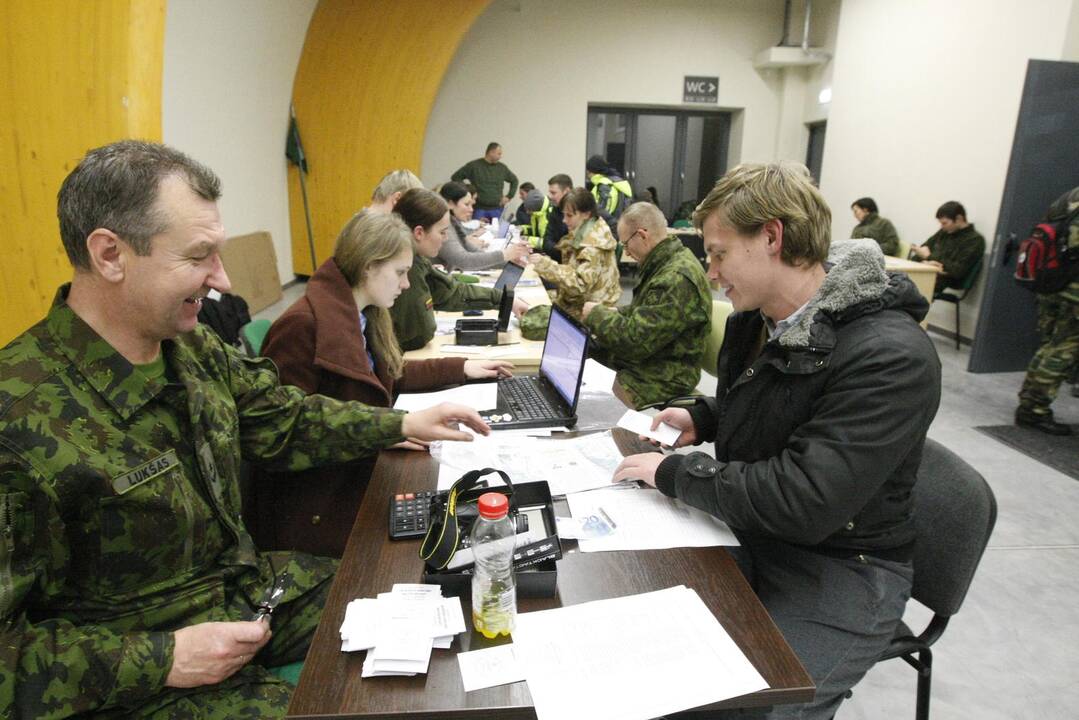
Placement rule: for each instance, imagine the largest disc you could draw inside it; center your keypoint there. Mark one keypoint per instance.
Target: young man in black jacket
(826, 387)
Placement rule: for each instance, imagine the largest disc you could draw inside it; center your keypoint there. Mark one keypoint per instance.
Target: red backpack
(1045, 263)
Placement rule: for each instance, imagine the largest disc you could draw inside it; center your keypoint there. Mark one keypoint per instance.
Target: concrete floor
(1009, 653)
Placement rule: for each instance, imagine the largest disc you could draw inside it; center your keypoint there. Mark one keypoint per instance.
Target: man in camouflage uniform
(655, 342)
(1058, 323)
(129, 586)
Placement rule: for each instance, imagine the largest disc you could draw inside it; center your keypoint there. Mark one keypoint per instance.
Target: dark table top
(331, 686)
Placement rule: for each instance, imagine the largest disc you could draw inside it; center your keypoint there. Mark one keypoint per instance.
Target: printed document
(646, 519)
(630, 658)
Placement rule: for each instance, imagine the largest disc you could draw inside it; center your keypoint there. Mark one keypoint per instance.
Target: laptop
(511, 273)
(550, 398)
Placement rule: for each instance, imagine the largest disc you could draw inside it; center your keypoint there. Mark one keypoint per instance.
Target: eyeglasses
(635, 233)
(272, 596)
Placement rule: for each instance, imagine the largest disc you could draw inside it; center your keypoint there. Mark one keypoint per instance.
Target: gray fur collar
(855, 275)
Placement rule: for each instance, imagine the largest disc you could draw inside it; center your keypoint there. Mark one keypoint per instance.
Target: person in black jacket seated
(826, 387)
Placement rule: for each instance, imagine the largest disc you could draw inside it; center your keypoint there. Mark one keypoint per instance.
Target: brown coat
(317, 346)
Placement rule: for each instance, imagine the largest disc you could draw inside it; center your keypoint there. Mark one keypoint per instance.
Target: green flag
(294, 148)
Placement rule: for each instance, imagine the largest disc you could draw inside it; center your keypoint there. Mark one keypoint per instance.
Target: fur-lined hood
(856, 284)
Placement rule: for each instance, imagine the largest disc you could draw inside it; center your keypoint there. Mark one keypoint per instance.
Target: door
(679, 154)
(1044, 164)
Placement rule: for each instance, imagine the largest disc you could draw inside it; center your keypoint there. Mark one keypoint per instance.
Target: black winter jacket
(818, 439)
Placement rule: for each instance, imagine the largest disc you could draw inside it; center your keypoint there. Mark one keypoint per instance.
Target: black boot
(1044, 423)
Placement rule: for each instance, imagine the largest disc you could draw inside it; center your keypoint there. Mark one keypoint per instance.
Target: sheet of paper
(646, 519)
(641, 424)
(489, 667)
(597, 379)
(568, 465)
(478, 396)
(586, 660)
(358, 628)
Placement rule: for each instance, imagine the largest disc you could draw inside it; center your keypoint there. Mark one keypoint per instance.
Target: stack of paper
(399, 628)
(628, 658)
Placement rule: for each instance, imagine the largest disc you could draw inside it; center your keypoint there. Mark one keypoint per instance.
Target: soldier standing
(129, 586)
(655, 342)
(1058, 322)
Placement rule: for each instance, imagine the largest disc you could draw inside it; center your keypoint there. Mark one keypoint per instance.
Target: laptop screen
(505, 310)
(564, 355)
(511, 273)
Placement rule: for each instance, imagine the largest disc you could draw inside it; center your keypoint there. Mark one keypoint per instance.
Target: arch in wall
(365, 85)
(76, 75)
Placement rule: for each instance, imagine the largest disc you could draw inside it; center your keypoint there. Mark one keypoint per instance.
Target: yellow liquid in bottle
(491, 624)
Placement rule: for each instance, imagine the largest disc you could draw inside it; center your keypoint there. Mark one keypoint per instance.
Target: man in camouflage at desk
(129, 586)
(655, 342)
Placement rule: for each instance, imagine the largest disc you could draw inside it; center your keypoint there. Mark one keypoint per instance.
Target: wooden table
(524, 354)
(924, 276)
(331, 687)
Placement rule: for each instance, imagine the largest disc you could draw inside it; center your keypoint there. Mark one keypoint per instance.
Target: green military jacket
(588, 271)
(489, 179)
(655, 342)
(120, 503)
(1061, 208)
(879, 229)
(429, 290)
(957, 252)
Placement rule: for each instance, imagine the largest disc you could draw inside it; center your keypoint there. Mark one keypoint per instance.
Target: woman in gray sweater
(462, 251)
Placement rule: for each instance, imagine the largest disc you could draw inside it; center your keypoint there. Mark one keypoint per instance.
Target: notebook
(550, 398)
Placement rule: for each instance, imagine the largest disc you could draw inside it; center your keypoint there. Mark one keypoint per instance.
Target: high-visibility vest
(613, 203)
(537, 227)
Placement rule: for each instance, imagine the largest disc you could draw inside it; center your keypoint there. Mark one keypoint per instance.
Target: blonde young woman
(338, 340)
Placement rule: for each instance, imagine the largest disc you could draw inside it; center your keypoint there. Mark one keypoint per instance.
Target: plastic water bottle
(494, 591)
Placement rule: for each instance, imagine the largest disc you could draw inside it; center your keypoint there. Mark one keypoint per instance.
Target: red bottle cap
(493, 505)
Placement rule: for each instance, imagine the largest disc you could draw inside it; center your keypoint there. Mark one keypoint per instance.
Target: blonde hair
(365, 242)
(750, 195)
(644, 215)
(392, 182)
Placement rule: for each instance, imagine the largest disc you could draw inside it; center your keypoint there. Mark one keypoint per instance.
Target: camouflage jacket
(429, 290)
(879, 229)
(120, 502)
(1061, 208)
(655, 342)
(588, 271)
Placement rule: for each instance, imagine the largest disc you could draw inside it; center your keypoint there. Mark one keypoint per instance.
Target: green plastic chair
(253, 334)
(710, 357)
(956, 295)
(289, 673)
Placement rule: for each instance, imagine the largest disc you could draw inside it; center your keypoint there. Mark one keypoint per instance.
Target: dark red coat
(317, 346)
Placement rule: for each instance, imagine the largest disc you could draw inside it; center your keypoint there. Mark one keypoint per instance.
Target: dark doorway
(815, 148)
(1044, 164)
(680, 153)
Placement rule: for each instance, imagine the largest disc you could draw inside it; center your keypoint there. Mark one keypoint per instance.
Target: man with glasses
(654, 343)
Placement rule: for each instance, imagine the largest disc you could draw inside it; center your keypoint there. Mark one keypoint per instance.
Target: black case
(476, 331)
(540, 580)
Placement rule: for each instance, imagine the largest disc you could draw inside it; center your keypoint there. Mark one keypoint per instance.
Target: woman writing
(588, 271)
(338, 340)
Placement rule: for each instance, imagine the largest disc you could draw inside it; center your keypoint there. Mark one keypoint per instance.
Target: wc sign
(697, 89)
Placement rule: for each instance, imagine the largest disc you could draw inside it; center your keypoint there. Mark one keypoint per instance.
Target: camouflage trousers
(254, 692)
(1058, 323)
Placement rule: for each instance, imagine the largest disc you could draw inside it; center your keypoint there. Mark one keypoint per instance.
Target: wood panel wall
(74, 74)
(367, 79)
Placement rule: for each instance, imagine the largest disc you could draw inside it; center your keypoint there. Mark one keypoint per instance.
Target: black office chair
(954, 514)
(956, 295)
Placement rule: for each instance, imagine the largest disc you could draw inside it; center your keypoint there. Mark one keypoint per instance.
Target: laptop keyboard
(524, 399)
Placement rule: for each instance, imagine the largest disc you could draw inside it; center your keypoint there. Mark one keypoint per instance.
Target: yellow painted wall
(365, 85)
(74, 74)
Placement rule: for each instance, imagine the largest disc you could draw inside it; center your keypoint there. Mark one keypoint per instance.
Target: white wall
(227, 83)
(527, 70)
(925, 99)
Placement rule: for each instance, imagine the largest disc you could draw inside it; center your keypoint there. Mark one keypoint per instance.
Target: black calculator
(408, 514)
